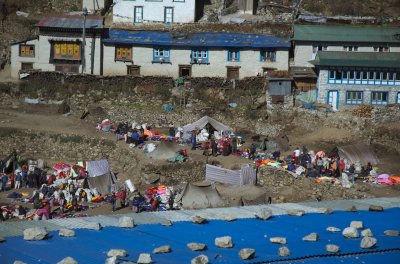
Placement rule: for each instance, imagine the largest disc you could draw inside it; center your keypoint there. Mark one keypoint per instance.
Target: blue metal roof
(239, 40)
(90, 246)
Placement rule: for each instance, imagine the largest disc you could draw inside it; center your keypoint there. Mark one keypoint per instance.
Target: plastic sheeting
(196, 197)
(246, 175)
(202, 122)
(361, 153)
(91, 246)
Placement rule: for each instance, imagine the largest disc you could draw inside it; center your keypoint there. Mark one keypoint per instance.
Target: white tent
(196, 197)
(202, 122)
(359, 153)
(100, 176)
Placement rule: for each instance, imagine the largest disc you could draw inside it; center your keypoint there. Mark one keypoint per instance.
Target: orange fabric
(395, 179)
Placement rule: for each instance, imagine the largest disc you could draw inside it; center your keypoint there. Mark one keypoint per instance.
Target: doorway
(333, 99)
(185, 71)
(232, 73)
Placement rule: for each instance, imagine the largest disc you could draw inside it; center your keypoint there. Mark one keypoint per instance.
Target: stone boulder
(357, 224)
(325, 210)
(367, 233)
(224, 242)
(35, 233)
(283, 252)
(117, 253)
(247, 253)
(312, 237)
(263, 214)
(166, 223)
(352, 209)
(126, 222)
(66, 233)
(350, 232)
(162, 249)
(333, 229)
(332, 248)
(368, 242)
(18, 262)
(197, 246)
(144, 258)
(112, 260)
(392, 233)
(94, 226)
(2, 239)
(199, 220)
(68, 260)
(201, 259)
(296, 212)
(278, 240)
(376, 208)
(229, 218)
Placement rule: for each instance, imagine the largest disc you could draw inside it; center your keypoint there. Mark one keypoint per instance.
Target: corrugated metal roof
(360, 59)
(70, 21)
(348, 33)
(239, 40)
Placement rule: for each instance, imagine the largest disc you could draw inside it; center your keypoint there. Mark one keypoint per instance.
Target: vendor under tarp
(361, 153)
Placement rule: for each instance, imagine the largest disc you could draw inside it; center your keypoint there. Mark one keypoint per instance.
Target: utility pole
(84, 13)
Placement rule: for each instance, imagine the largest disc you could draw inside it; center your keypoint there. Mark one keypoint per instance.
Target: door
(169, 15)
(333, 99)
(232, 73)
(185, 71)
(138, 14)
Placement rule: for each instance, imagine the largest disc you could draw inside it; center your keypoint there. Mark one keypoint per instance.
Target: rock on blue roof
(239, 40)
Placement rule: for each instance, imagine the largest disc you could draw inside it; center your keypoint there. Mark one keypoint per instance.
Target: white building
(60, 46)
(228, 55)
(309, 39)
(157, 11)
(93, 5)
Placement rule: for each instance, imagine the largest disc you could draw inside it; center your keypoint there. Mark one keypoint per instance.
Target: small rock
(35, 233)
(284, 252)
(350, 232)
(94, 226)
(229, 218)
(333, 229)
(199, 220)
(162, 249)
(166, 223)
(197, 246)
(112, 260)
(325, 210)
(278, 240)
(352, 209)
(66, 232)
(311, 237)
(376, 208)
(332, 248)
(263, 214)
(392, 233)
(2, 239)
(117, 253)
(247, 253)
(68, 260)
(224, 242)
(357, 224)
(126, 222)
(368, 242)
(367, 233)
(201, 259)
(296, 212)
(144, 258)
(19, 262)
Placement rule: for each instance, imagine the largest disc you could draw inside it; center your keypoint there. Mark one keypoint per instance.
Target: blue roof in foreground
(90, 246)
(239, 40)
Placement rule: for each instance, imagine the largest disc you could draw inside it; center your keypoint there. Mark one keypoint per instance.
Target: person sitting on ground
(276, 154)
(291, 167)
(312, 172)
(352, 168)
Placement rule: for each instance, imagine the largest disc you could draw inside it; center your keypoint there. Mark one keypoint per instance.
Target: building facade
(61, 46)
(348, 80)
(232, 56)
(157, 11)
(309, 39)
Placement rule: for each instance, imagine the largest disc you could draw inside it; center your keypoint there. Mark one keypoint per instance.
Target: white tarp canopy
(202, 122)
(359, 153)
(100, 176)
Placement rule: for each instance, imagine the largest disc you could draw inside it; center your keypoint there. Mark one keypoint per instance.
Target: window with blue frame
(268, 55)
(199, 56)
(233, 55)
(379, 98)
(354, 97)
(161, 54)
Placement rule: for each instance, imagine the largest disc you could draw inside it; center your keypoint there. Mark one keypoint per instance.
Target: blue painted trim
(338, 95)
(166, 58)
(368, 81)
(362, 97)
(229, 58)
(387, 97)
(200, 50)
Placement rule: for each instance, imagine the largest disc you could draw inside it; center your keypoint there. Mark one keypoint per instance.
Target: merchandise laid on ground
(296, 233)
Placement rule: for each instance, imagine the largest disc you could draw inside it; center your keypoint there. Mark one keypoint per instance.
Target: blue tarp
(239, 40)
(91, 246)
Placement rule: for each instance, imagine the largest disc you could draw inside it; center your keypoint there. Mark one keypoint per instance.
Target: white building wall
(42, 55)
(217, 58)
(123, 11)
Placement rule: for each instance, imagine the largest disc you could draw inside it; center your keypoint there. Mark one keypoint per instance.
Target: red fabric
(342, 165)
